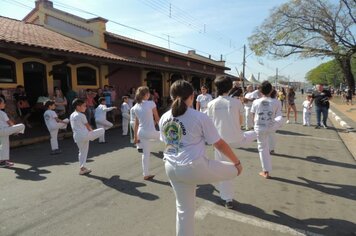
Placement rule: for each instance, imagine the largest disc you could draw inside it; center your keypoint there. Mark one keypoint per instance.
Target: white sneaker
(287, 122)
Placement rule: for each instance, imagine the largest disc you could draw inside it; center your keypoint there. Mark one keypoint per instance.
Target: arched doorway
(175, 77)
(196, 83)
(62, 77)
(35, 80)
(154, 81)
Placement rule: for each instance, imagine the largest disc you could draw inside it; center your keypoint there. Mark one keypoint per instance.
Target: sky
(219, 28)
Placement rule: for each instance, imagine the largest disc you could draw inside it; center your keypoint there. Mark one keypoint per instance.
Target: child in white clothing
(307, 110)
(125, 113)
(100, 117)
(203, 99)
(226, 113)
(53, 124)
(7, 127)
(82, 133)
(268, 117)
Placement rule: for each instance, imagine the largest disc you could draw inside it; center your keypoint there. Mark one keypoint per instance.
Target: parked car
(309, 90)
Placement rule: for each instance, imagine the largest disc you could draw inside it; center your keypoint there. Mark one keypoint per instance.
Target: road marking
(309, 137)
(208, 208)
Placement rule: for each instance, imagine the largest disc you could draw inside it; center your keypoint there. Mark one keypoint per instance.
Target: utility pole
(243, 68)
(276, 77)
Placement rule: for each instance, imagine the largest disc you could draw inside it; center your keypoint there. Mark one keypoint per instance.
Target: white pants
(248, 118)
(105, 125)
(226, 188)
(83, 145)
(263, 150)
(185, 178)
(306, 117)
(272, 141)
(53, 131)
(146, 137)
(125, 123)
(4, 139)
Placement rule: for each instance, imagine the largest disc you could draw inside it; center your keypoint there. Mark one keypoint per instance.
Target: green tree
(329, 73)
(310, 28)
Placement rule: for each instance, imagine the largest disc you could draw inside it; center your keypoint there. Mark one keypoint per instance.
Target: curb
(345, 132)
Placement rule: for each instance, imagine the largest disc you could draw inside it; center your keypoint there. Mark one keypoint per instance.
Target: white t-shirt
(3, 119)
(78, 121)
(204, 99)
(185, 135)
(252, 95)
(306, 107)
(100, 112)
(266, 110)
(225, 113)
(125, 108)
(143, 111)
(50, 119)
(132, 114)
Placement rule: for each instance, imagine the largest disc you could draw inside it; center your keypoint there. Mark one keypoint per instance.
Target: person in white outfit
(184, 132)
(53, 124)
(132, 129)
(7, 128)
(267, 118)
(82, 133)
(125, 113)
(247, 105)
(272, 135)
(307, 111)
(100, 117)
(203, 99)
(226, 113)
(147, 116)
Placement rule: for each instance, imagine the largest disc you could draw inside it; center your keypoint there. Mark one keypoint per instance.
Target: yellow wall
(97, 27)
(100, 73)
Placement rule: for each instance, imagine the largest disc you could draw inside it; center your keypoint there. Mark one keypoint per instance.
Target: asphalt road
(313, 191)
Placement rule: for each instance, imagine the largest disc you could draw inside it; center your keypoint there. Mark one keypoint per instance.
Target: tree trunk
(345, 64)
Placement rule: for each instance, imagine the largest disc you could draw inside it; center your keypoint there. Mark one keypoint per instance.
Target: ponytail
(178, 107)
(180, 91)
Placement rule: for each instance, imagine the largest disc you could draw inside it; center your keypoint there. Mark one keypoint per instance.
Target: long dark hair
(180, 91)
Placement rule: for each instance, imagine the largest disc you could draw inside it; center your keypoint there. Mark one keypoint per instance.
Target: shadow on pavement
(33, 173)
(286, 132)
(318, 160)
(125, 186)
(325, 226)
(339, 190)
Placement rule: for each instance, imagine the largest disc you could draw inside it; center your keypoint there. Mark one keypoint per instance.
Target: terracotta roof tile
(19, 32)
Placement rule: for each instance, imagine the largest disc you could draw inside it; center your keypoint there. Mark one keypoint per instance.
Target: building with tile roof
(52, 48)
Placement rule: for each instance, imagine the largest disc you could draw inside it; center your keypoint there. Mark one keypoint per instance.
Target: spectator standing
(60, 101)
(321, 97)
(22, 105)
(307, 110)
(291, 105)
(203, 99)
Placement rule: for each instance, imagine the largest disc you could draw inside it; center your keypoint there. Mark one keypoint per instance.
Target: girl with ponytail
(147, 116)
(184, 131)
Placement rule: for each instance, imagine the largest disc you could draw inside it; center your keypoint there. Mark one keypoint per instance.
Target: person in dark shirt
(22, 105)
(321, 97)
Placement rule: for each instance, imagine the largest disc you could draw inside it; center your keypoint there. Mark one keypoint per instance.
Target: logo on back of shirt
(172, 132)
